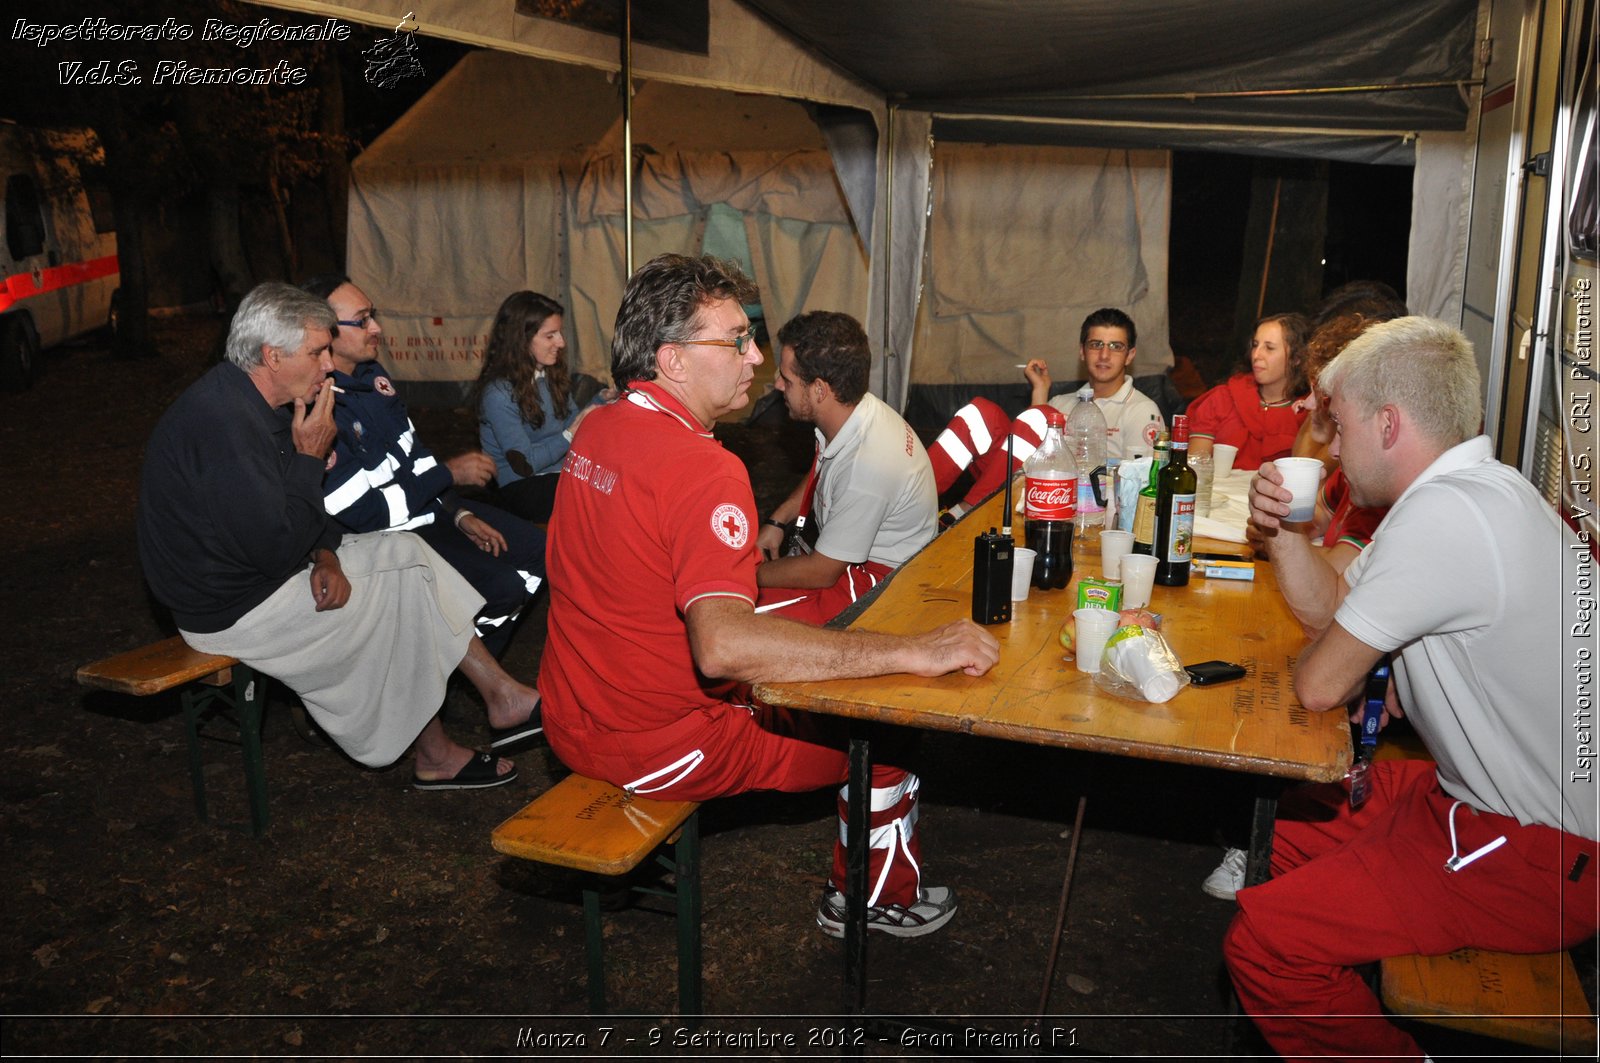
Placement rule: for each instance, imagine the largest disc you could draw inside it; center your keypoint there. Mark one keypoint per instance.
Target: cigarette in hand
(337, 390)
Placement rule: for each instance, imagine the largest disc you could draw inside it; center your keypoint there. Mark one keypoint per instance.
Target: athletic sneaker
(934, 907)
(1228, 879)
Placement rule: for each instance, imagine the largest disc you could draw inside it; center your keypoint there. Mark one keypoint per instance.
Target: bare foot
(511, 703)
(451, 766)
(440, 757)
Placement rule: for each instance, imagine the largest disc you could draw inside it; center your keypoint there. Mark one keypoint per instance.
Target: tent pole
(890, 388)
(627, 137)
(1266, 265)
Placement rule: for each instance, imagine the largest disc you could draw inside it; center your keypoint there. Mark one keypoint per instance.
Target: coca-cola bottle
(1050, 501)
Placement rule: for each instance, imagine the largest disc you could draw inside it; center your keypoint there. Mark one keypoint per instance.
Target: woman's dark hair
(507, 357)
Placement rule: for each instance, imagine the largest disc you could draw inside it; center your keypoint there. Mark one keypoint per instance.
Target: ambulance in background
(58, 257)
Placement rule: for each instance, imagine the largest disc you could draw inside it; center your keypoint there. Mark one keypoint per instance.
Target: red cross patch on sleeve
(729, 524)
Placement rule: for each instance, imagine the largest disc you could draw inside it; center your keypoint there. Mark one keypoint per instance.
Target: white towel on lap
(372, 674)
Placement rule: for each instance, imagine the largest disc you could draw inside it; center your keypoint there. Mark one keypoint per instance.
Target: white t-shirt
(875, 498)
(1133, 421)
(1466, 578)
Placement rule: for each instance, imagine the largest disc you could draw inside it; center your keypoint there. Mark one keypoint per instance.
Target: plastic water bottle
(1086, 439)
(1050, 499)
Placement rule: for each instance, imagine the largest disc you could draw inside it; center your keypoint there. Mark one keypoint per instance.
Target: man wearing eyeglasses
(381, 477)
(870, 490)
(1106, 342)
(976, 437)
(653, 625)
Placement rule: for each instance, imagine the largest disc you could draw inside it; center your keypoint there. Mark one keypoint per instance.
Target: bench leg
(687, 887)
(594, 948)
(250, 699)
(194, 700)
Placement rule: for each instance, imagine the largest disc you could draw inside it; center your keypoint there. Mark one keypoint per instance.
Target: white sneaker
(1228, 879)
(934, 908)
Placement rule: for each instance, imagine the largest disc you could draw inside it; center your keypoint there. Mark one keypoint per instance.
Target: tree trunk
(130, 207)
(228, 260)
(336, 172)
(1284, 233)
(280, 210)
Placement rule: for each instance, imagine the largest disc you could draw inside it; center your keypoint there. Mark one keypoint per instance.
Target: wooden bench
(1531, 1000)
(211, 685)
(597, 828)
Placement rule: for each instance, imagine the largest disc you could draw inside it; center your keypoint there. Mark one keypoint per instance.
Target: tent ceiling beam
(1238, 94)
(1406, 135)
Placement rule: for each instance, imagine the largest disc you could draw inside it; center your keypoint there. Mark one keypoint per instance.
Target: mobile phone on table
(1207, 672)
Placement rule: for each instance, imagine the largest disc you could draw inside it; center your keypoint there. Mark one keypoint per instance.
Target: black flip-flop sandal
(532, 727)
(478, 774)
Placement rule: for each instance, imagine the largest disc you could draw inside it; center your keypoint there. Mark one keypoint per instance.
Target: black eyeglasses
(738, 343)
(367, 317)
(1117, 346)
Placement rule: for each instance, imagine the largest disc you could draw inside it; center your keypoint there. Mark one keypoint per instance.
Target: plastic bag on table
(1138, 664)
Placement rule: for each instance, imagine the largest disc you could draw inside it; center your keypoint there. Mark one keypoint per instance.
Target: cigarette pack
(1214, 569)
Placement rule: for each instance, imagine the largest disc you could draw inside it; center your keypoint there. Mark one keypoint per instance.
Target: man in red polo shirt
(652, 564)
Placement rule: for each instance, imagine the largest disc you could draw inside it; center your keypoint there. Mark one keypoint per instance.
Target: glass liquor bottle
(1174, 542)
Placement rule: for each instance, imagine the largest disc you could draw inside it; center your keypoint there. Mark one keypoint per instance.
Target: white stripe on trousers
(687, 763)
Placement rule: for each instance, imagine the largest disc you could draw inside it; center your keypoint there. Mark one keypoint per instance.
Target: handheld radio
(993, 553)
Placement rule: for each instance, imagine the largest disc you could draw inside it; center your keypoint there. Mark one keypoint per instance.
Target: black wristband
(780, 525)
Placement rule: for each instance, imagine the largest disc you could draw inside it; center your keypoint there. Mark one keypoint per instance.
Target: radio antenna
(1010, 475)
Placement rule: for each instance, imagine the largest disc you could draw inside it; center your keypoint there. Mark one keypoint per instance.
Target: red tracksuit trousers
(1349, 888)
(730, 749)
(818, 606)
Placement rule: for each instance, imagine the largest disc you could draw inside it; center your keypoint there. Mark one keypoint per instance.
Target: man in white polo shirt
(1463, 585)
(870, 490)
(975, 438)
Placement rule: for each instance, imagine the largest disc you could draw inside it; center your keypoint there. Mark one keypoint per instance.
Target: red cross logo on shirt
(729, 523)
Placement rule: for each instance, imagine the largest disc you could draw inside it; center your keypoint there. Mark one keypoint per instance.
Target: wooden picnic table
(1033, 695)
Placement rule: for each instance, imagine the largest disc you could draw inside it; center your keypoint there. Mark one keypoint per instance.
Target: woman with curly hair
(526, 411)
(1259, 411)
(1344, 528)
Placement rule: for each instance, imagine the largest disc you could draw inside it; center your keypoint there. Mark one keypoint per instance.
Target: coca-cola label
(1051, 499)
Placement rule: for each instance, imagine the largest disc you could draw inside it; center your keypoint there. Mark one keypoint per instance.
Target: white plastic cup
(1136, 659)
(1092, 627)
(1300, 477)
(1138, 580)
(1113, 544)
(1021, 572)
(1222, 455)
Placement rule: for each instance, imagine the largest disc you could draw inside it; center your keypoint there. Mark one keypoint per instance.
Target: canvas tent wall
(457, 205)
(1361, 79)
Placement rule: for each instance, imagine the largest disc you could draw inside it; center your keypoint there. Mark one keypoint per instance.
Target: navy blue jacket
(381, 476)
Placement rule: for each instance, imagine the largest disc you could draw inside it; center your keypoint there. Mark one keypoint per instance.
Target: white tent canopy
(457, 205)
(1360, 79)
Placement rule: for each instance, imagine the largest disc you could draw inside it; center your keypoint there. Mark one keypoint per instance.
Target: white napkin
(1227, 520)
